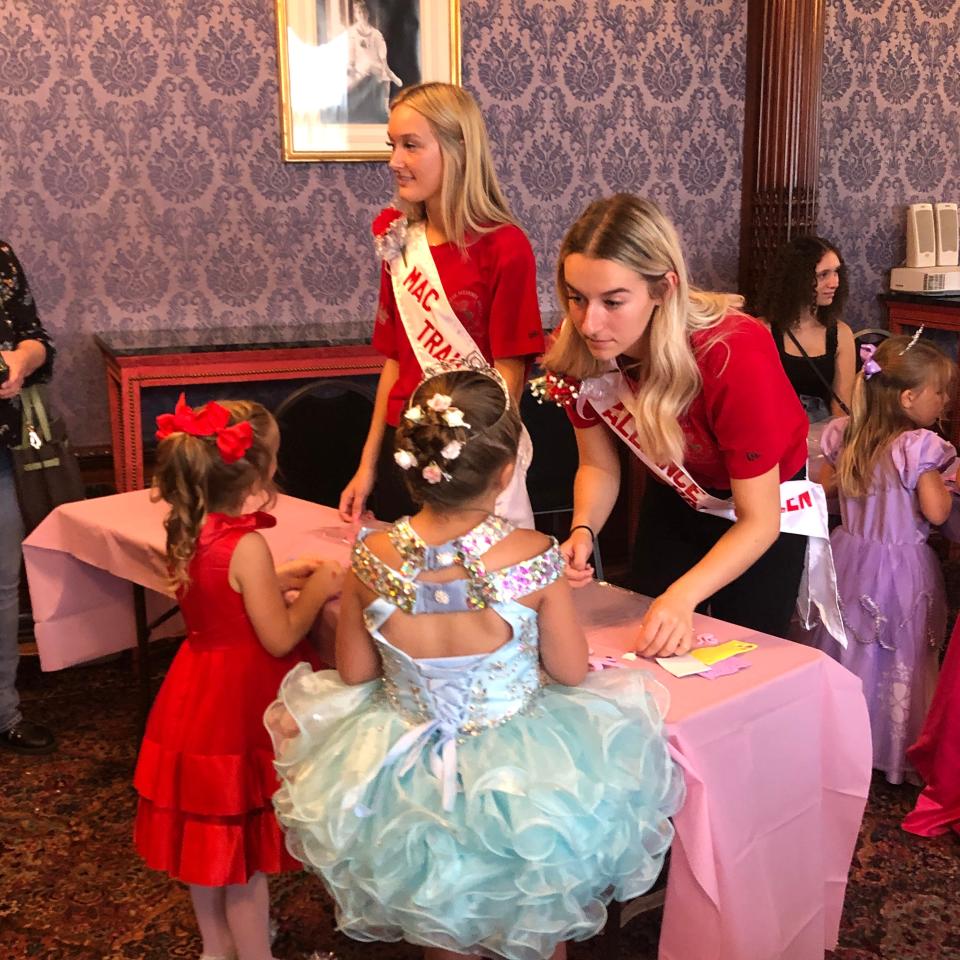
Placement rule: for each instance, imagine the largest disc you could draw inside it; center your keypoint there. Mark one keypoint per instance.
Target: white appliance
(921, 236)
(948, 234)
(932, 280)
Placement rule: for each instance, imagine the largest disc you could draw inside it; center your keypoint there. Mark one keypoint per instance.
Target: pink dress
(891, 592)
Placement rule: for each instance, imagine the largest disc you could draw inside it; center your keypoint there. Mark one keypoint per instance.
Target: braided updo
(479, 450)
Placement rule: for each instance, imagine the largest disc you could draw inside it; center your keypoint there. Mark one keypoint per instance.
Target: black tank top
(804, 380)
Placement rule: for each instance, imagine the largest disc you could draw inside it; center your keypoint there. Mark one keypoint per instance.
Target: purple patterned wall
(890, 131)
(141, 184)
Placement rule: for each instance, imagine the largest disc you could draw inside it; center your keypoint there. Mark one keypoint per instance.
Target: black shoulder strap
(832, 340)
(815, 369)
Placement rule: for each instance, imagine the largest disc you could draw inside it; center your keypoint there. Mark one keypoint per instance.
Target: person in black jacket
(26, 357)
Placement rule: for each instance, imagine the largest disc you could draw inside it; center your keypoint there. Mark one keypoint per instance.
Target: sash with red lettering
(803, 504)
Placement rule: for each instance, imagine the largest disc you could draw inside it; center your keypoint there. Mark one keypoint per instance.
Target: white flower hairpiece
(452, 450)
(454, 418)
(413, 414)
(405, 459)
(439, 402)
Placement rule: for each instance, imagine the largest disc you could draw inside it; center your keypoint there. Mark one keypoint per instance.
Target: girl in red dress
(205, 774)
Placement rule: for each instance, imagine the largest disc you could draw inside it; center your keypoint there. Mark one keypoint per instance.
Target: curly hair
(481, 449)
(790, 286)
(192, 477)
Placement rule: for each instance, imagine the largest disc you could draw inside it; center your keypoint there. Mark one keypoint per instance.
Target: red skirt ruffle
(208, 850)
(209, 785)
(208, 819)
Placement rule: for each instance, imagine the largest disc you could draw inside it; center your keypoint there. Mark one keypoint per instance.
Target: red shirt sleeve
(515, 327)
(751, 409)
(385, 328)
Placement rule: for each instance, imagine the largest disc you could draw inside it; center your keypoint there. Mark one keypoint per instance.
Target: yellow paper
(711, 655)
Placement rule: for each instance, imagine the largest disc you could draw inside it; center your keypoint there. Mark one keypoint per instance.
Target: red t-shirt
(493, 291)
(746, 418)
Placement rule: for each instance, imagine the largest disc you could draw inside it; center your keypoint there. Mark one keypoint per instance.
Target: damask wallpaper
(890, 132)
(141, 181)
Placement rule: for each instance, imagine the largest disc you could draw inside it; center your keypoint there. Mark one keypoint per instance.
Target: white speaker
(948, 234)
(921, 236)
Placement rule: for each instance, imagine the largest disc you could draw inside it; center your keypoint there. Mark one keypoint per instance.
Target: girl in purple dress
(888, 470)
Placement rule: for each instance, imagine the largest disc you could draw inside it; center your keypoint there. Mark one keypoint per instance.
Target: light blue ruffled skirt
(561, 808)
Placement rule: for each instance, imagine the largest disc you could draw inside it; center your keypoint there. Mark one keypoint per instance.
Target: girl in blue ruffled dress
(461, 782)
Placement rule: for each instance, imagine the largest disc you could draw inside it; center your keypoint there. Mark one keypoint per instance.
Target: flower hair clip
(390, 234)
(441, 405)
(555, 388)
(212, 421)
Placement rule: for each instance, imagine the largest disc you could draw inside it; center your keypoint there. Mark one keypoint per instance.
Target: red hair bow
(211, 421)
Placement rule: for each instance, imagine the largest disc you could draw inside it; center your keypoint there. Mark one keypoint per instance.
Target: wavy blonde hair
(877, 416)
(471, 200)
(634, 233)
(194, 480)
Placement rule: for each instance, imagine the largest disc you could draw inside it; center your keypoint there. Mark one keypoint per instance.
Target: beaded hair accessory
(913, 339)
(867, 351)
(211, 421)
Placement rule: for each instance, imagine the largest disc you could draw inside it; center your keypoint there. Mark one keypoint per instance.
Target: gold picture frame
(341, 60)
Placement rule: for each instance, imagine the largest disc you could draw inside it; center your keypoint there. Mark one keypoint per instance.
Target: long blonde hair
(877, 416)
(471, 200)
(194, 479)
(634, 233)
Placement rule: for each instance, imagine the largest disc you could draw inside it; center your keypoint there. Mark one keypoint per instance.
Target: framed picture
(342, 61)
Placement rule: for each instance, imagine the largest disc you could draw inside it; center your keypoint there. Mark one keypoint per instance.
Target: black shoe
(28, 737)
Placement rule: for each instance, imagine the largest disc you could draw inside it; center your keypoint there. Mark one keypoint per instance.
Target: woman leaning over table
(706, 390)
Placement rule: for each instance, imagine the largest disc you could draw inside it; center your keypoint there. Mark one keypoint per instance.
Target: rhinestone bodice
(457, 695)
(478, 590)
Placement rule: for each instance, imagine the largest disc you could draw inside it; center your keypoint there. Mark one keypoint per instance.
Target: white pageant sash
(433, 329)
(803, 504)
(436, 335)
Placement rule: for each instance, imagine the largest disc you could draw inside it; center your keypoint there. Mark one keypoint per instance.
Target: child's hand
(326, 581)
(294, 573)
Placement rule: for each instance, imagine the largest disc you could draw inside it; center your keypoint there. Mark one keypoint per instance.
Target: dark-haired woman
(801, 301)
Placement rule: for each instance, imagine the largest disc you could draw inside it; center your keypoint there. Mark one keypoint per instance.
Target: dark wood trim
(781, 130)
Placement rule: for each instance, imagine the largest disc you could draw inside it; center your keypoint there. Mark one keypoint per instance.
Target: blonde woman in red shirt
(695, 388)
(458, 283)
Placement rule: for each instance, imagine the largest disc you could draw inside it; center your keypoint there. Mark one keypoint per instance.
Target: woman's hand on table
(576, 551)
(355, 493)
(667, 627)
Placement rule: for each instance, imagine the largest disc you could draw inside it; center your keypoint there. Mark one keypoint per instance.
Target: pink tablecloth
(777, 757)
